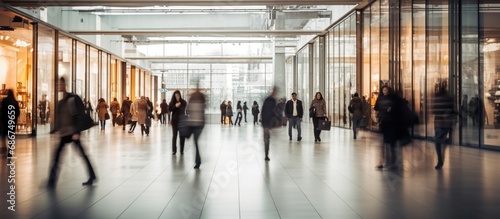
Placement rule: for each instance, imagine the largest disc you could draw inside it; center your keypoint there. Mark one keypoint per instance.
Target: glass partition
(93, 83)
(81, 67)
(46, 99)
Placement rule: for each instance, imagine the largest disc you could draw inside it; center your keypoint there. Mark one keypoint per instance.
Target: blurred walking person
(387, 107)
(114, 106)
(229, 112)
(134, 112)
(102, 109)
(270, 119)
(69, 127)
(10, 112)
(444, 119)
(245, 108)
(319, 106)
(177, 106)
(142, 113)
(255, 112)
(126, 111)
(196, 120)
(163, 112)
(356, 109)
(239, 116)
(223, 108)
(294, 112)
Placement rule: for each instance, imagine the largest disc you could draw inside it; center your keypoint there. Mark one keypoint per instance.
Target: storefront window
(419, 51)
(66, 59)
(437, 60)
(303, 75)
(105, 75)
(81, 68)
(16, 60)
(46, 79)
(366, 52)
(93, 83)
(489, 105)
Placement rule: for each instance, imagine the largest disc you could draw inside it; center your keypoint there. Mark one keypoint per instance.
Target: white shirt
(294, 108)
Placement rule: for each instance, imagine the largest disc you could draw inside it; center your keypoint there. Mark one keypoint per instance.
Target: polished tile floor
(336, 178)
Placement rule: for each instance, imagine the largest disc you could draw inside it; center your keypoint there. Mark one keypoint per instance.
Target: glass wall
(484, 107)
(105, 75)
(289, 65)
(341, 70)
(93, 79)
(46, 79)
(16, 60)
(304, 76)
(234, 82)
(81, 65)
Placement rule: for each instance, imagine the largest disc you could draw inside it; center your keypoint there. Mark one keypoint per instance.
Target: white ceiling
(144, 3)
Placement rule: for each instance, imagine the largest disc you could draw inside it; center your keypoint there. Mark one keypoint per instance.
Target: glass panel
(366, 75)
(46, 79)
(105, 75)
(203, 49)
(93, 83)
(343, 83)
(490, 104)
(16, 73)
(437, 61)
(406, 51)
(289, 76)
(384, 40)
(419, 51)
(66, 59)
(80, 70)
(375, 57)
(336, 76)
(329, 78)
(316, 65)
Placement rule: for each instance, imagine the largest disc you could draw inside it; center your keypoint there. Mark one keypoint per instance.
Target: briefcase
(324, 125)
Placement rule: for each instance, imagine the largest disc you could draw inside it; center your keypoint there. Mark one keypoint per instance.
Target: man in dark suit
(294, 112)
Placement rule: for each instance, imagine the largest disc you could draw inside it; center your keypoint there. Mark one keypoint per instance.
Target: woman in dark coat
(239, 116)
(177, 106)
(255, 111)
(10, 112)
(229, 112)
(387, 107)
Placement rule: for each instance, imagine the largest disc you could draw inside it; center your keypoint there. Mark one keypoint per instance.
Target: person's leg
(174, 139)
(55, 162)
(183, 140)
(245, 116)
(196, 135)
(267, 136)
(315, 125)
(90, 170)
(222, 118)
(114, 120)
(143, 129)
(355, 124)
(291, 122)
(319, 131)
(299, 129)
(254, 119)
(124, 119)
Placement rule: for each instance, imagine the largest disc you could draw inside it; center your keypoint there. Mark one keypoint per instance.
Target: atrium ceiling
(145, 3)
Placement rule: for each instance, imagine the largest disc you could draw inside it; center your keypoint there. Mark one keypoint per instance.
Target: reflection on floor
(336, 178)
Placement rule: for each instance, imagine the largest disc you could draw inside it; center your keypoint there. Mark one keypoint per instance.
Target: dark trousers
(267, 139)
(125, 120)
(132, 126)
(103, 124)
(239, 117)
(163, 118)
(55, 163)
(440, 137)
(175, 131)
(222, 118)
(196, 134)
(230, 119)
(245, 114)
(144, 129)
(255, 118)
(315, 124)
(114, 119)
(294, 122)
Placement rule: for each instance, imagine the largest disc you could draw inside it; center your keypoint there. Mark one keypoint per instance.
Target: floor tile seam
(358, 185)
(288, 174)
(112, 190)
(145, 189)
(208, 188)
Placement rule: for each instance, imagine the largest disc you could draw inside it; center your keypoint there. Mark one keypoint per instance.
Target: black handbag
(119, 119)
(324, 125)
(185, 130)
(106, 116)
(312, 112)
